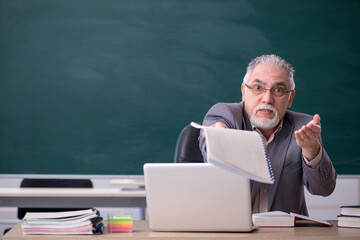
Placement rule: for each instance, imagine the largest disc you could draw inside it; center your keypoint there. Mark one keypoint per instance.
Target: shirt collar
(271, 138)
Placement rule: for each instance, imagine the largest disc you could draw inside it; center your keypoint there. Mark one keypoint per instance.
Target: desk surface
(141, 231)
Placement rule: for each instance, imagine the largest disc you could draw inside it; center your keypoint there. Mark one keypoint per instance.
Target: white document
(66, 218)
(241, 152)
(53, 215)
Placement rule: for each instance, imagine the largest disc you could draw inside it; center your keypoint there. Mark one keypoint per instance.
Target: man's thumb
(317, 119)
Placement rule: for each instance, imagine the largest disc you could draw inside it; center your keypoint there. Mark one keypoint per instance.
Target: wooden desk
(141, 231)
(71, 197)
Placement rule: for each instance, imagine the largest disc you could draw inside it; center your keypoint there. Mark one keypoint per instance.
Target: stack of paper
(70, 222)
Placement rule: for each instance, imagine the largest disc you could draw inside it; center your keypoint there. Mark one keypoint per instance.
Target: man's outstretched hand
(307, 138)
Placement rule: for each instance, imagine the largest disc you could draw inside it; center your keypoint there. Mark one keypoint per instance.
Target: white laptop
(196, 197)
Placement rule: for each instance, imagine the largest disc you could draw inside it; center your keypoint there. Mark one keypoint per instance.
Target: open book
(283, 219)
(241, 152)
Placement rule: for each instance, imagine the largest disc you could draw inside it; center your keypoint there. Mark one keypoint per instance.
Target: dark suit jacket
(290, 170)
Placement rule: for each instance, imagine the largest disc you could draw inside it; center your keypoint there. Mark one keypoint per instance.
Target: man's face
(262, 108)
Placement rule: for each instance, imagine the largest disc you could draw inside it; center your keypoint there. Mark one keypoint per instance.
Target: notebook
(196, 197)
(239, 151)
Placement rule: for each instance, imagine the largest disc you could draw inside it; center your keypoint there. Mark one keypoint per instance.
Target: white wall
(347, 192)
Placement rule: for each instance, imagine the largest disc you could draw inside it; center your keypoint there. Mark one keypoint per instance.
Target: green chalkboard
(104, 86)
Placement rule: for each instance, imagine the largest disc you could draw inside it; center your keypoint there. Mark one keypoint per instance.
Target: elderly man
(292, 139)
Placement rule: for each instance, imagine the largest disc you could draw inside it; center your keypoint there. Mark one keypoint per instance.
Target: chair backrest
(52, 183)
(187, 146)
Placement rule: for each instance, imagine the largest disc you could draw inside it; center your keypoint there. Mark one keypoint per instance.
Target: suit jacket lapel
(278, 155)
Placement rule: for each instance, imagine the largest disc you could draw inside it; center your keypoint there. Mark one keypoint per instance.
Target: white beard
(265, 123)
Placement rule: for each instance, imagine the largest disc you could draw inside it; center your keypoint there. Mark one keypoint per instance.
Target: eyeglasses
(277, 91)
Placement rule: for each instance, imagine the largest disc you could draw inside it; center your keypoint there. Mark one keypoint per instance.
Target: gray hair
(274, 60)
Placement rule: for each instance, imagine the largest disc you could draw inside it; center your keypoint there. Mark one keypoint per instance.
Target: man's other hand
(307, 138)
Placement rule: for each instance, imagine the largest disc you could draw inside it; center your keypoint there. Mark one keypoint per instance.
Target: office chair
(52, 183)
(187, 146)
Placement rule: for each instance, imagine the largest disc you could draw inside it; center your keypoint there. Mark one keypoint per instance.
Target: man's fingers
(307, 137)
(302, 135)
(307, 133)
(219, 125)
(216, 125)
(316, 128)
(312, 131)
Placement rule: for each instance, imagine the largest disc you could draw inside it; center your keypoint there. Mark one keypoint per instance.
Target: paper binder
(241, 152)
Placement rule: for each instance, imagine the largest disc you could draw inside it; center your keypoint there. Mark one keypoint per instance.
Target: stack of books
(71, 222)
(349, 217)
